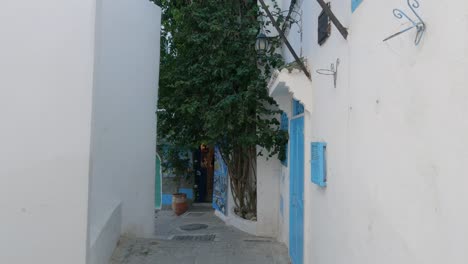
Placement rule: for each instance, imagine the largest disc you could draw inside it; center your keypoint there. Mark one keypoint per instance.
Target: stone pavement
(171, 244)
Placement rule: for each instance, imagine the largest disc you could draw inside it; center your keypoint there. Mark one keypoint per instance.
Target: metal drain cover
(193, 227)
(194, 237)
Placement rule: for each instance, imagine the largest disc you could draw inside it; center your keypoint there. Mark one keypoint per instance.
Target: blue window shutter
(285, 126)
(355, 4)
(318, 163)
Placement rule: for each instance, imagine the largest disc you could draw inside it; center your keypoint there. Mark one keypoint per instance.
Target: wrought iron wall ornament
(289, 20)
(332, 71)
(419, 25)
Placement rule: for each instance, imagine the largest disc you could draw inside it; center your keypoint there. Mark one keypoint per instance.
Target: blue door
(296, 191)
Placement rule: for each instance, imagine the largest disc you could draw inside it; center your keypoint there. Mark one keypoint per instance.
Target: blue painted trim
(167, 198)
(188, 192)
(355, 4)
(285, 126)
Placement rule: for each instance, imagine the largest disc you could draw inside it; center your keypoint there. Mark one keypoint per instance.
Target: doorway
(204, 167)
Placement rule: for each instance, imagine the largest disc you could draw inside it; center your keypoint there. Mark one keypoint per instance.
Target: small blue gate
(296, 191)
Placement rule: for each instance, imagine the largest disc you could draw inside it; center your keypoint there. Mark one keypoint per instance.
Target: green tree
(213, 90)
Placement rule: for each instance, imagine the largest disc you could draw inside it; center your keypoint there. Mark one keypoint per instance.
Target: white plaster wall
(46, 75)
(284, 100)
(396, 131)
(268, 180)
(230, 218)
(124, 123)
(268, 171)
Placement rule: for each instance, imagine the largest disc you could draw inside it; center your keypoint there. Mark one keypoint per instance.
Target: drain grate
(194, 237)
(258, 240)
(193, 227)
(194, 214)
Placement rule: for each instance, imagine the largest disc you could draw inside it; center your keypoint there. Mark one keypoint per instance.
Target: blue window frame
(355, 4)
(285, 126)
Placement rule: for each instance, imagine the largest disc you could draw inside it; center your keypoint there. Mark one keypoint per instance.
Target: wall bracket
(419, 25)
(332, 71)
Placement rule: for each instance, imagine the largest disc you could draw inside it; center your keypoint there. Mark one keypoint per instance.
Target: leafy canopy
(211, 86)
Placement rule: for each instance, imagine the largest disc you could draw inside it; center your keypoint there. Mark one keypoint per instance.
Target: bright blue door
(296, 191)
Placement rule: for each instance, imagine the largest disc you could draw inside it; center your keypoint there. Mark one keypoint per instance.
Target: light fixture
(262, 44)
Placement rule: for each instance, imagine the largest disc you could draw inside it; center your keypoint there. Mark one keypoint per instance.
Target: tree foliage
(213, 90)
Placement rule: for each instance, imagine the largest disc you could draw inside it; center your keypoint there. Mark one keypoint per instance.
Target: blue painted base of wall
(167, 198)
(188, 192)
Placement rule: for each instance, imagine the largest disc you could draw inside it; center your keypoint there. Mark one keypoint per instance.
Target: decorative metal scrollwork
(419, 25)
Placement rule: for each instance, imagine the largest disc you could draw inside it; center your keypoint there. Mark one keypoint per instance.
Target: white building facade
(78, 93)
(395, 131)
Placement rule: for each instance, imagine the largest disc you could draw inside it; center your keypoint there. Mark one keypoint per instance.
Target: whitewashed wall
(123, 154)
(268, 201)
(46, 80)
(56, 130)
(285, 102)
(396, 131)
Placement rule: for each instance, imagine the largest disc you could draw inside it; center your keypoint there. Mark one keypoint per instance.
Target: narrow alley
(198, 237)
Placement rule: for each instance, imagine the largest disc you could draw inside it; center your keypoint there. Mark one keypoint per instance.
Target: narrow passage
(198, 237)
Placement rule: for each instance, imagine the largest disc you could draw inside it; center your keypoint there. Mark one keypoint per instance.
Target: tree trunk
(243, 178)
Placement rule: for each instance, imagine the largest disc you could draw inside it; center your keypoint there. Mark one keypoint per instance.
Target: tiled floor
(229, 246)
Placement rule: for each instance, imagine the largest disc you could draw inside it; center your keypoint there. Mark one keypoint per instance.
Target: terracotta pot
(179, 203)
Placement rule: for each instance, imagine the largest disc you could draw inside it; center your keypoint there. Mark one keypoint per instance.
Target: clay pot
(179, 203)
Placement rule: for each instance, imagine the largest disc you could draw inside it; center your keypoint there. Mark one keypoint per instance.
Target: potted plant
(177, 163)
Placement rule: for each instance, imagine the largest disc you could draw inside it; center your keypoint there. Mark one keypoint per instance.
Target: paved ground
(229, 245)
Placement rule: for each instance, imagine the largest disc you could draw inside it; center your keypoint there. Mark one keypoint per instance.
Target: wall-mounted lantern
(262, 44)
